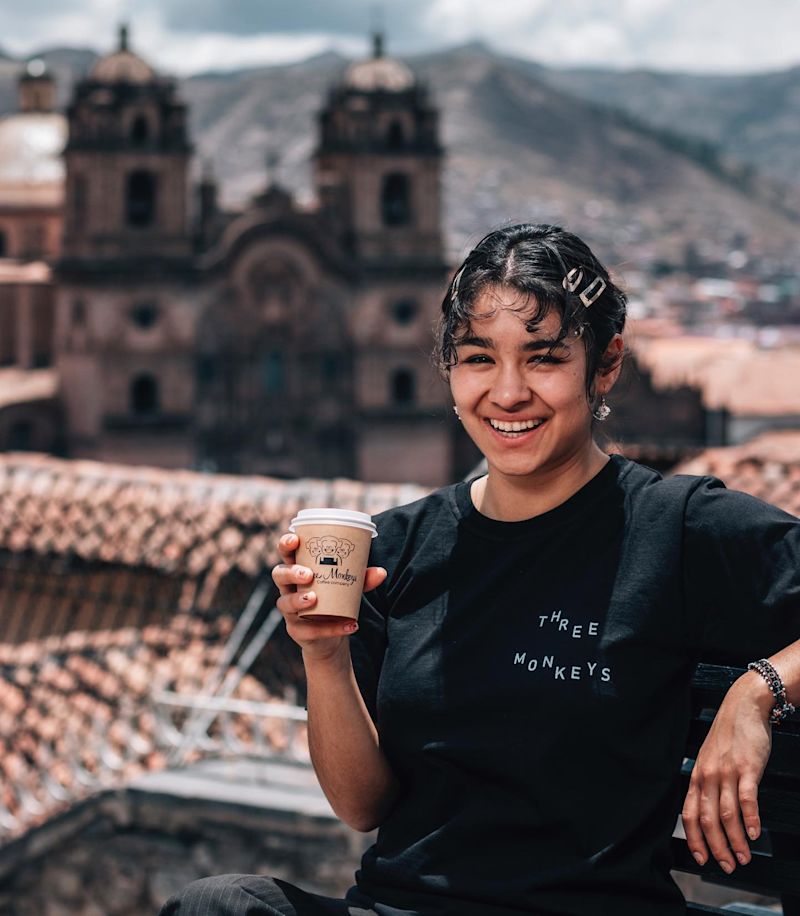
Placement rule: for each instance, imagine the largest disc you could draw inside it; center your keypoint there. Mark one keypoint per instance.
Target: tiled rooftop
(768, 467)
(76, 712)
(176, 521)
(736, 375)
(195, 527)
(119, 581)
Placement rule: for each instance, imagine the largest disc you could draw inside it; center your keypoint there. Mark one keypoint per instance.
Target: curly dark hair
(535, 259)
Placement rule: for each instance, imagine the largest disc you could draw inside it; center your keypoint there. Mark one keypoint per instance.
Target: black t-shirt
(530, 684)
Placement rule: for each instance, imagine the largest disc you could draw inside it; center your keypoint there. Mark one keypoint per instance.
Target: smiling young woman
(520, 344)
(563, 584)
(520, 390)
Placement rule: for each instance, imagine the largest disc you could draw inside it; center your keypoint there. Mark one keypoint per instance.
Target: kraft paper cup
(334, 545)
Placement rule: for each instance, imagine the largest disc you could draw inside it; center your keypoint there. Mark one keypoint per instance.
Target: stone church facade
(279, 340)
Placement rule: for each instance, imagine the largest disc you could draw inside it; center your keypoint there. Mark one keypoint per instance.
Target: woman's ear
(610, 365)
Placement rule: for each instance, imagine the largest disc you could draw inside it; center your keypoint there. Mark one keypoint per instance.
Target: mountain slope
(517, 147)
(754, 117)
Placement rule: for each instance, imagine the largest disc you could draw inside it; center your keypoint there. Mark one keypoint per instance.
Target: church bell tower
(125, 320)
(126, 161)
(378, 161)
(378, 177)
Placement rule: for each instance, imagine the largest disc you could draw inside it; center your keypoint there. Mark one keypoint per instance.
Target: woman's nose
(510, 388)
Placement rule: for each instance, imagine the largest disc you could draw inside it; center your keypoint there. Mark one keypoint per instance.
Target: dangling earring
(455, 411)
(603, 411)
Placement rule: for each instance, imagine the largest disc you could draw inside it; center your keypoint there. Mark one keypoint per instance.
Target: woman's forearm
(352, 769)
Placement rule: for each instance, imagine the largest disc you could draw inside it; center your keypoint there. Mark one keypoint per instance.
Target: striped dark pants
(253, 895)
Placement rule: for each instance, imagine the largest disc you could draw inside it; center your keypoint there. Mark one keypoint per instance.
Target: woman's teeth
(518, 426)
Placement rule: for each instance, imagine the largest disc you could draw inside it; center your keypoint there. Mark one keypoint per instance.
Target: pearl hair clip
(592, 292)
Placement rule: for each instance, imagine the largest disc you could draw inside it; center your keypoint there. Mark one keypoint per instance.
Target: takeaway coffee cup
(334, 545)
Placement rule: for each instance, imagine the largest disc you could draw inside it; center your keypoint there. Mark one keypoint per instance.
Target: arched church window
(273, 372)
(140, 195)
(404, 311)
(42, 321)
(78, 313)
(396, 199)
(140, 131)
(8, 325)
(20, 437)
(144, 397)
(3, 244)
(331, 367)
(395, 136)
(80, 193)
(404, 386)
(144, 315)
(205, 368)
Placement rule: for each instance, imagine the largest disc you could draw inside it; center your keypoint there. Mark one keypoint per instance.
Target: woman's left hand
(722, 801)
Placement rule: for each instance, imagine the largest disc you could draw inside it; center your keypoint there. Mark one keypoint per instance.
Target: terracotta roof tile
(180, 522)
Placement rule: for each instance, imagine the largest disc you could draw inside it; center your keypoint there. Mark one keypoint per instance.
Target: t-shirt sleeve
(368, 643)
(742, 574)
(367, 647)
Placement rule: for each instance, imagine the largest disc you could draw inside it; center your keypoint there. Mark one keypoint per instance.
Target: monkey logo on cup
(329, 550)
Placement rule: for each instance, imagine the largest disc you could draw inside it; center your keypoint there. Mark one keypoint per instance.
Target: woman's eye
(477, 358)
(545, 360)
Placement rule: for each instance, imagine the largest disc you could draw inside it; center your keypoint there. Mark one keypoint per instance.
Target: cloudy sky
(186, 36)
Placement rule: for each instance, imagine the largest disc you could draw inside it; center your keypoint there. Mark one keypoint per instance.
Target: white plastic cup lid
(347, 517)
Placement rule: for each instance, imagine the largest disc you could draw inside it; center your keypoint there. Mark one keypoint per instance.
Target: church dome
(123, 66)
(379, 73)
(31, 144)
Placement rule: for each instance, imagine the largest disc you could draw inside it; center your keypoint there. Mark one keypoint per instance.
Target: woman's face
(522, 400)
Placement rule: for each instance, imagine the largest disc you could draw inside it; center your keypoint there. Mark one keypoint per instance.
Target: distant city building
(31, 223)
(279, 340)
(32, 171)
(743, 387)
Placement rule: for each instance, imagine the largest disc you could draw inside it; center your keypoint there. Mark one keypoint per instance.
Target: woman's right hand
(319, 639)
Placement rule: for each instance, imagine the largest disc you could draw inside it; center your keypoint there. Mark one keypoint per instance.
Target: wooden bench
(775, 868)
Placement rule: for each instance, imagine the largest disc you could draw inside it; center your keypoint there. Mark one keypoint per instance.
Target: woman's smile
(515, 430)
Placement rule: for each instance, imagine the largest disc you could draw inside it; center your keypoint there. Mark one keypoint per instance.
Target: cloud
(333, 17)
(718, 35)
(182, 54)
(713, 35)
(37, 24)
(184, 36)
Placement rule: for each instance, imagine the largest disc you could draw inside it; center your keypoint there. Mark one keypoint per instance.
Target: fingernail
(752, 833)
(304, 573)
(308, 596)
(742, 858)
(726, 867)
(700, 859)
(351, 628)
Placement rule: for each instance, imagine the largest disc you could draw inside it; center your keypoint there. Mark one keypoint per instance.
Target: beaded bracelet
(782, 708)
